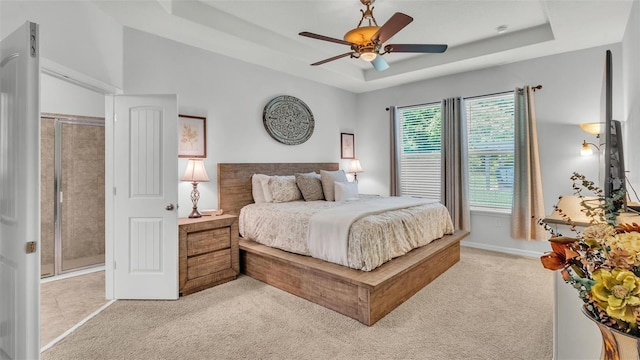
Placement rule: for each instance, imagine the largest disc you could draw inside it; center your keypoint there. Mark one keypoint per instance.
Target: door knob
(169, 207)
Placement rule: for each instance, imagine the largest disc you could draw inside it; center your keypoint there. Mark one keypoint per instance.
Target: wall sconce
(195, 173)
(355, 168)
(586, 148)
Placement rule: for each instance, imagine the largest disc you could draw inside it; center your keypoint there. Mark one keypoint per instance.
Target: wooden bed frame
(366, 296)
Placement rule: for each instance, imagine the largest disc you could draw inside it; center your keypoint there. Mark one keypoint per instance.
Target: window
(490, 124)
(420, 128)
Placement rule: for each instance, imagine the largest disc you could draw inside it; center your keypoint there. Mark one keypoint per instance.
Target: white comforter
(373, 239)
(328, 232)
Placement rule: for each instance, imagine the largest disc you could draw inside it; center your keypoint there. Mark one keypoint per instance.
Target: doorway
(72, 193)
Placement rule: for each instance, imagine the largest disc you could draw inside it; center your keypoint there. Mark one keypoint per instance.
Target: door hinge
(114, 191)
(114, 265)
(33, 39)
(61, 197)
(31, 247)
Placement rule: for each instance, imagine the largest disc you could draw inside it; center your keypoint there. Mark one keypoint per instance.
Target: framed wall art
(347, 146)
(192, 136)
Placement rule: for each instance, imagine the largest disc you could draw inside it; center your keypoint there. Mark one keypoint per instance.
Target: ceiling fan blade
(416, 48)
(325, 38)
(379, 63)
(396, 23)
(332, 58)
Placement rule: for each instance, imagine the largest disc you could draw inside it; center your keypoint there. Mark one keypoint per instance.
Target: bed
(366, 296)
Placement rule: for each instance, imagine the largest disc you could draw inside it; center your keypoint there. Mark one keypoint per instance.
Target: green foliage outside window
(421, 129)
(491, 141)
(490, 126)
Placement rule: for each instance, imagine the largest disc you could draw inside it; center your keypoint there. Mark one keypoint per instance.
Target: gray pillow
(310, 186)
(284, 189)
(328, 179)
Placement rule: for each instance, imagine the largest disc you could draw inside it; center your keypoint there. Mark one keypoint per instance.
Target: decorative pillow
(268, 197)
(284, 189)
(346, 191)
(328, 178)
(310, 186)
(256, 187)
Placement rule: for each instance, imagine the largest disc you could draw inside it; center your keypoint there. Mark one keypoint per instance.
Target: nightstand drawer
(208, 252)
(208, 240)
(208, 263)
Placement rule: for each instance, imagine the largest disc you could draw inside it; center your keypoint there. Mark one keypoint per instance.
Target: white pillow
(328, 178)
(268, 197)
(345, 191)
(256, 187)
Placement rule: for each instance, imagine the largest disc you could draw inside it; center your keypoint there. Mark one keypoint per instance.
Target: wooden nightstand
(208, 253)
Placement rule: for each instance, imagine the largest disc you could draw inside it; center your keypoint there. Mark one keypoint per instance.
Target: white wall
(631, 76)
(75, 34)
(61, 97)
(571, 94)
(232, 96)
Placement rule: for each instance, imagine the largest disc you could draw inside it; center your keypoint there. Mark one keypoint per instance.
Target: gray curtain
(395, 153)
(528, 201)
(455, 158)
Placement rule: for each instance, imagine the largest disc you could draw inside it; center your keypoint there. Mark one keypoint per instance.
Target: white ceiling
(266, 33)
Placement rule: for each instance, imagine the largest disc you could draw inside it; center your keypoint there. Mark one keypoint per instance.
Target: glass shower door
(81, 195)
(72, 194)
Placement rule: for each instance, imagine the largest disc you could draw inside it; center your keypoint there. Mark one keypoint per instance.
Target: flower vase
(616, 345)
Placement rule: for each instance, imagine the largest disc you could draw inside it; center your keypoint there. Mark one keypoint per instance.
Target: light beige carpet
(488, 306)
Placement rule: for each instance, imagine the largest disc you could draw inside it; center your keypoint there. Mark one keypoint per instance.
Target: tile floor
(65, 302)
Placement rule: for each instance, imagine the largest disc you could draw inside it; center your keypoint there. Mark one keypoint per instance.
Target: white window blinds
(490, 123)
(420, 128)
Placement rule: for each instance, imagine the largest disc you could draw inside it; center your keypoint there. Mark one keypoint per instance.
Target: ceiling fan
(368, 42)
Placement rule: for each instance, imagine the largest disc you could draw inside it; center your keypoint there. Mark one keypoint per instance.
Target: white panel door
(20, 194)
(146, 194)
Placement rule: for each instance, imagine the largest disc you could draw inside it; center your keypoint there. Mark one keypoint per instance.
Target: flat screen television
(614, 171)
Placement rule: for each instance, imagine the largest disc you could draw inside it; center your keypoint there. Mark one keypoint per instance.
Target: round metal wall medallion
(288, 120)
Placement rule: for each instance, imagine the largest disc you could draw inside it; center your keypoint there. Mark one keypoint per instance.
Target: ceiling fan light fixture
(368, 56)
(361, 35)
(368, 42)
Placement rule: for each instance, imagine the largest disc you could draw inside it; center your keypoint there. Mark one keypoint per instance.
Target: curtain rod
(484, 95)
(537, 87)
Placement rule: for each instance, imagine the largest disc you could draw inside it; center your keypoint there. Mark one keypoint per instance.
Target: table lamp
(195, 173)
(355, 168)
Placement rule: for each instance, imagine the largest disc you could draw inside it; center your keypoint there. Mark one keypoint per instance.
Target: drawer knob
(169, 207)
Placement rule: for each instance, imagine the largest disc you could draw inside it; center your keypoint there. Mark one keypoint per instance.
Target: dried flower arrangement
(603, 262)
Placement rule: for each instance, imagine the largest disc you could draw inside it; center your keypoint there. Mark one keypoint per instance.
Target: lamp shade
(354, 166)
(575, 207)
(596, 128)
(361, 35)
(586, 150)
(195, 172)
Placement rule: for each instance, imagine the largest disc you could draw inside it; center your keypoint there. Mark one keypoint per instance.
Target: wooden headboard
(234, 180)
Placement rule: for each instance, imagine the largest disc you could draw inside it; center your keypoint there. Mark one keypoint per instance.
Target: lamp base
(195, 213)
(195, 196)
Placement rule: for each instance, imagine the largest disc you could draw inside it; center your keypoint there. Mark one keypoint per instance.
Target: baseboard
(512, 251)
